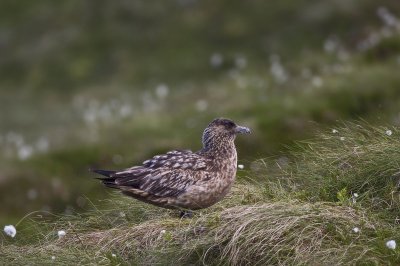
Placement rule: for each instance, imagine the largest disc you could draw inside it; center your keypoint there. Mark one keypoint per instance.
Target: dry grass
(278, 233)
(289, 233)
(302, 213)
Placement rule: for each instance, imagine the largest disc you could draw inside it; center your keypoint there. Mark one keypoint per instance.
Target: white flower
(113, 255)
(125, 110)
(240, 61)
(354, 197)
(389, 132)
(391, 244)
(317, 81)
(24, 152)
(240, 166)
(330, 45)
(162, 90)
(342, 138)
(42, 144)
(10, 230)
(216, 60)
(278, 72)
(356, 230)
(201, 105)
(334, 131)
(53, 257)
(61, 233)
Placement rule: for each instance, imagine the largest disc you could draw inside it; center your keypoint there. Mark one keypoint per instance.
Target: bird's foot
(186, 214)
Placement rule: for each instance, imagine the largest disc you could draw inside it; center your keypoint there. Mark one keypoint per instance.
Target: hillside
(335, 201)
(108, 84)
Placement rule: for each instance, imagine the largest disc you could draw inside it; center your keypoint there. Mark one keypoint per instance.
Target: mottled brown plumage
(184, 179)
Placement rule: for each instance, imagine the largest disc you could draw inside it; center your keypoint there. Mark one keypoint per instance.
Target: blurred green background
(109, 83)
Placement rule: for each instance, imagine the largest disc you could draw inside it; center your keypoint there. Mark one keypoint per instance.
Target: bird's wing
(166, 175)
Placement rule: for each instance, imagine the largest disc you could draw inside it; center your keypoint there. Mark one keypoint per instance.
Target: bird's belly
(205, 194)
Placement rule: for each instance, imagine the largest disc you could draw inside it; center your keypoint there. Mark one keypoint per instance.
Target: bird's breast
(208, 192)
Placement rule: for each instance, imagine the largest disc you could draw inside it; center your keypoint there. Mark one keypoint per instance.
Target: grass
(301, 213)
(86, 78)
(358, 159)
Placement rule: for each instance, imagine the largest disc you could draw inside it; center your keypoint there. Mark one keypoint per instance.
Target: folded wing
(167, 175)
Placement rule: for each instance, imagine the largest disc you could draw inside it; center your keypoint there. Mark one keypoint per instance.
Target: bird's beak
(242, 130)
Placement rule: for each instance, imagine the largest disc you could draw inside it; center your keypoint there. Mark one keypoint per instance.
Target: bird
(182, 179)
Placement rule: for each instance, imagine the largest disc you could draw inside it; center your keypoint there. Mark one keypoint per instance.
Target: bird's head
(222, 130)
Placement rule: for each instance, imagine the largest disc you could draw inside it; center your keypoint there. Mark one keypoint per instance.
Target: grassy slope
(296, 213)
(303, 213)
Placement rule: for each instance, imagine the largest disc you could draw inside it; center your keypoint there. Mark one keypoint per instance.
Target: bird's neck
(224, 158)
(223, 149)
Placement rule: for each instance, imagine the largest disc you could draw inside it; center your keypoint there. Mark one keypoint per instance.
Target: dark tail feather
(106, 173)
(109, 180)
(110, 183)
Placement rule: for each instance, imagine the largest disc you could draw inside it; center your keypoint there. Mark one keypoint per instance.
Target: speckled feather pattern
(184, 179)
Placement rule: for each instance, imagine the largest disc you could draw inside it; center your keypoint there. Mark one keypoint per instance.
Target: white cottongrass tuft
(317, 81)
(42, 144)
(216, 60)
(354, 197)
(53, 257)
(24, 152)
(10, 230)
(163, 232)
(356, 230)
(240, 166)
(330, 45)
(391, 244)
(389, 132)
(342, 138)
(113, 255)
(278, 72)
(125, 110)
(201, 105)
(61, 233)
(334, 131)
(240, 61)
(162, 90)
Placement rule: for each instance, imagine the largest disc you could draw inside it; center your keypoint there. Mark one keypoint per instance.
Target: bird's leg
(186, 214)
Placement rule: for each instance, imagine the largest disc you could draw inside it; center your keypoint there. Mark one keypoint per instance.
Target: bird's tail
(108, 179)
(107, 173)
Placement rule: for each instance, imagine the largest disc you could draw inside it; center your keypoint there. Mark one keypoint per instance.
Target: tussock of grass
(288, 233)
(359, 158)
(266, 233)
(300, 213)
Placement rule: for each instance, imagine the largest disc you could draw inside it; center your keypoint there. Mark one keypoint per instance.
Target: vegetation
(110, 83)
(306, 213)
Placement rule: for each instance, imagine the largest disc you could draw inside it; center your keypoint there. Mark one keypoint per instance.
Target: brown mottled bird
(184, 179)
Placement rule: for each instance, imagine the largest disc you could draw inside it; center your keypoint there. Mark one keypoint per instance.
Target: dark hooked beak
(242, 130)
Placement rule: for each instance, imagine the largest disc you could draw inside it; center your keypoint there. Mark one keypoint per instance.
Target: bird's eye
(230, 124)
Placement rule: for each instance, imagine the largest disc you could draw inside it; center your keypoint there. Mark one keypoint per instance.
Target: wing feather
(166, 175)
